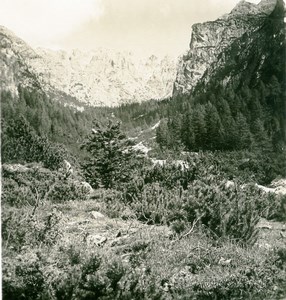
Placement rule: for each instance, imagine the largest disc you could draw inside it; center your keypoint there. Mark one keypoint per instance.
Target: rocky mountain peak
(243, 8)
(210, 39)
(267, 6)
(96, 77)
(14, 70)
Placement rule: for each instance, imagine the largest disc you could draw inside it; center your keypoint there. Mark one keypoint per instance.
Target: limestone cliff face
(107, 77)
(209, 41)
(13, 69)
(97, 77)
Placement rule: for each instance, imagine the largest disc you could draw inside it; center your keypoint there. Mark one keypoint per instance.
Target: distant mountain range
(231, 48)
(97, 77)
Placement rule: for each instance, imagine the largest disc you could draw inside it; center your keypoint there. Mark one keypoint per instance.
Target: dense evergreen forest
(227, 121)
(250, 119)
(246, 114)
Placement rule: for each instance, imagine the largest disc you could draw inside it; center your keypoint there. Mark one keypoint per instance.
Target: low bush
(147, 266)
(228, 211)
(279, 213)
(20, 143)
(25, 280)
(30, 184)
(68, 189)
(33, 227)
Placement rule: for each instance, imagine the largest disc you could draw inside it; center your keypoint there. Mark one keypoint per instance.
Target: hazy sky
(141, 26)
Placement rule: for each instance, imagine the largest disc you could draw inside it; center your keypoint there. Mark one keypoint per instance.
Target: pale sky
(146, 27)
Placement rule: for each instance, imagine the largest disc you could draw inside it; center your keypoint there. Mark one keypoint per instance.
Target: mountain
(96, 77)
(13, 67)
(229, 92)
(107, 77)
(227, 42)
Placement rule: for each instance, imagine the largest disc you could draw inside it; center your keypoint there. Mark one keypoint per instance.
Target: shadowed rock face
(209, 40)
(97, 77)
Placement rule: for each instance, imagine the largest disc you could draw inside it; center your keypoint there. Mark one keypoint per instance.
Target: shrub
(31, 184)
(30, 228)
(22, 144)
(156, 205)
(68, 189)
(228, 212)
(170, 175)
(27, 280)
(280, 213)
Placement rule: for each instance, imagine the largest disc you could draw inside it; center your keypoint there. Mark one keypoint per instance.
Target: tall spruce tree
(214, 129)
(111, 158)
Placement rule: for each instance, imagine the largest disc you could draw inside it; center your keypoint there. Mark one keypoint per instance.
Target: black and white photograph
(143, 149)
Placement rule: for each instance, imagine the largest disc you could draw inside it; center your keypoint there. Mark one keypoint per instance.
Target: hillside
(237, 100)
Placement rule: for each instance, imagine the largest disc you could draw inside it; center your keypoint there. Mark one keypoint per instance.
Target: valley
(151, 178)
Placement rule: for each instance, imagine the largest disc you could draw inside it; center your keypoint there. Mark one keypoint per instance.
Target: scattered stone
(83, 222)
(264, 224)
(95, 240)
(224, 262)
(120, 241)
(127, 214)
(266, 227)
(265, 189)
(12, 168)
(66, 167)
(166, 287)
(277, 186)
(141, 148)
(125, 257)
(86, 186)
(229, 184)
(97, 215)
(164, 231)
(278, 183)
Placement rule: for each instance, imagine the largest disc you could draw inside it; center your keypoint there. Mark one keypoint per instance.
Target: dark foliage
(111, 159)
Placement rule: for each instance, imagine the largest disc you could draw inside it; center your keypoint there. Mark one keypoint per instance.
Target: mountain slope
(107, 77)
(256, 55)
(229, 94)
(211, 40)
(14, 70)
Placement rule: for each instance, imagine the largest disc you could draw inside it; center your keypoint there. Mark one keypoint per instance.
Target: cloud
(146, 26)
(43, 21)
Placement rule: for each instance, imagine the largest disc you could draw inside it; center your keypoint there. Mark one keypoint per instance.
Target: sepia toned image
(143, 149)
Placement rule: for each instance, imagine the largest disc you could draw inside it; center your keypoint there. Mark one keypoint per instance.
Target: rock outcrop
(97, 77)
(13, 69)
(210, 40)
(107, 77)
